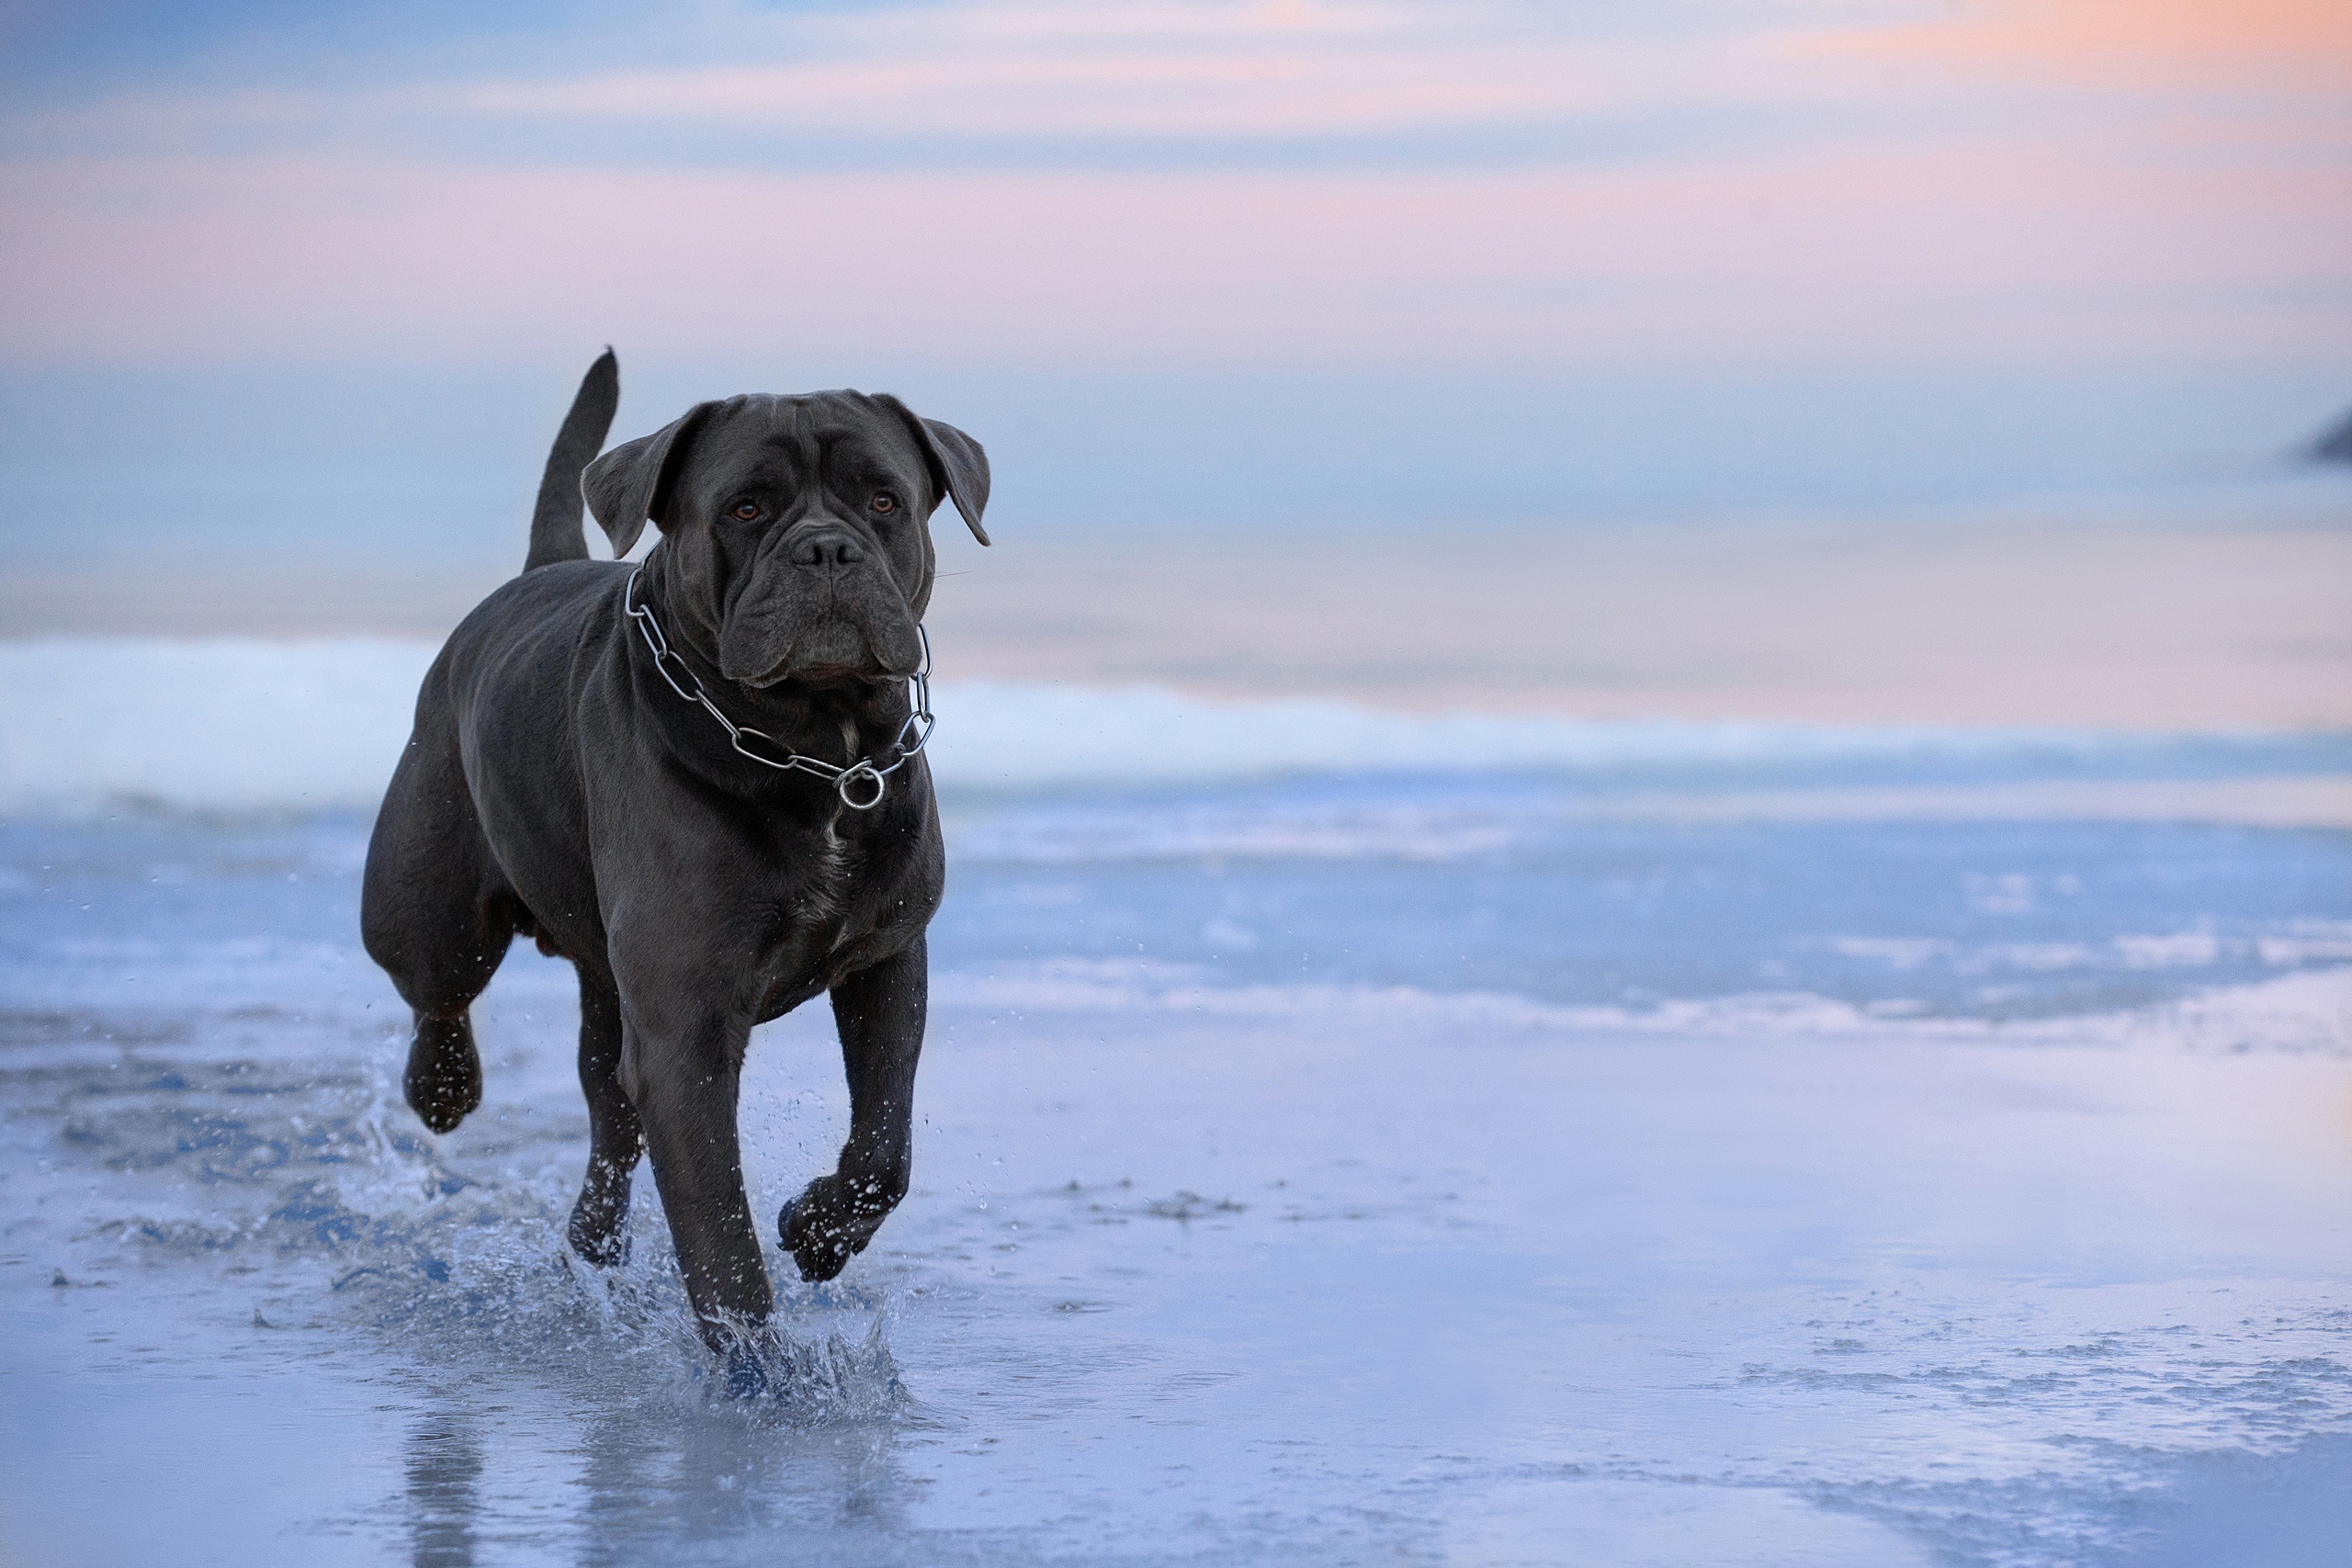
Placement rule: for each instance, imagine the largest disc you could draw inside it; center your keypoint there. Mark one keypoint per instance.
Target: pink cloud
(1997, 251)
(1954, 220)
(2291, 45)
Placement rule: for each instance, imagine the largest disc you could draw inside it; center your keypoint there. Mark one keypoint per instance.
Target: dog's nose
(827, 549)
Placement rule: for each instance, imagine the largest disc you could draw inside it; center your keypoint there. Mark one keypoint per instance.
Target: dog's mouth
(857, 632)
(830, 653)
(819, 675)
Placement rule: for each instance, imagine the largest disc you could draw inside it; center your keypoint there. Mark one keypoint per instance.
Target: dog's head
(798, 528)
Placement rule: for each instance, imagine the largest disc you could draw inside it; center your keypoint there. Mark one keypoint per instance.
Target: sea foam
(241, 725)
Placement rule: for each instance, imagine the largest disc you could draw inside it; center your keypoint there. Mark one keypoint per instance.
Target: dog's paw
(440, 1104)
(818, 1250)
(606, 1244)
(746, 1379)
(443, 1084)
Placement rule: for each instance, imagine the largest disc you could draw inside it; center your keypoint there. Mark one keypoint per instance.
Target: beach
(1646, 801)
(1357, 1124)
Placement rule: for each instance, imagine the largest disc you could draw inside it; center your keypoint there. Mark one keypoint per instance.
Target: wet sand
(1280, 1237)
(1721, 1143)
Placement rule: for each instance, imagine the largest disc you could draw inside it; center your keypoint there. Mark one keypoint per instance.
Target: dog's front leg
(681, 1067)
(881, 1014)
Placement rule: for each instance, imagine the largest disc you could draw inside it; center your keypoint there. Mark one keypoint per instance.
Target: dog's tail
(557, 532)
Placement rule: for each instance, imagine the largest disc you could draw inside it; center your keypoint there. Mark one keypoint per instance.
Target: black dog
(703, 872)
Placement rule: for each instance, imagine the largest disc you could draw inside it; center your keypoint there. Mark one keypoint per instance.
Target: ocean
(1346, 1135)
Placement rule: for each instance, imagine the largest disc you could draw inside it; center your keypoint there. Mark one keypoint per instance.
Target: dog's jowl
(700, 779)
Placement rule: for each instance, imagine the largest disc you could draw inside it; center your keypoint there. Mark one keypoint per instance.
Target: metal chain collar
(851, 781)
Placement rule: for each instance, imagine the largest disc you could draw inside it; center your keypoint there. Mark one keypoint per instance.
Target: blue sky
(495, 83)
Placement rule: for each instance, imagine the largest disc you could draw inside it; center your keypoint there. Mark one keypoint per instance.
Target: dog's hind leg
(879, 1012)
(615, 1138)
(432, 913)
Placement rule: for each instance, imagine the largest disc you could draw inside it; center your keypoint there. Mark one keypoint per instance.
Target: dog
(701, 781)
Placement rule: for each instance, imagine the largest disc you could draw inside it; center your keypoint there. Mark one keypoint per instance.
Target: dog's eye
(744, 511)
(884, 501)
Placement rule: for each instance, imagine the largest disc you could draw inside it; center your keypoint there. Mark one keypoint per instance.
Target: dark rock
(2336, 447)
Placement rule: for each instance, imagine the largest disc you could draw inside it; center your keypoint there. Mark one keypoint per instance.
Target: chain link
(849, 783)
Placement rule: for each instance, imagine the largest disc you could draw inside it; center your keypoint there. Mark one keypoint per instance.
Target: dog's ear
(959, 468)
(631, 484)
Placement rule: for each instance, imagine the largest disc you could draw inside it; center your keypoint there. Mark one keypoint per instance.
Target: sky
(2024, 213)
(1833, 181)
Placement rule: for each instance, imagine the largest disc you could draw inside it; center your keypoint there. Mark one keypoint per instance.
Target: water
(1816, 1149)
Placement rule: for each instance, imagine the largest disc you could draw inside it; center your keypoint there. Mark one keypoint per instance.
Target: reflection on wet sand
(726, 1476)
(443, 1491)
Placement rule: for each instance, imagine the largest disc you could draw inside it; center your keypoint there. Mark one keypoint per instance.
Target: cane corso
(700, 779)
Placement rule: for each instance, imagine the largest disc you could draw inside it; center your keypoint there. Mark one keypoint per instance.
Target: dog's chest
(822, 897)
(816, 912)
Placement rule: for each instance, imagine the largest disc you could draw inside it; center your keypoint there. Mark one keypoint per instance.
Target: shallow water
(1486, 1168)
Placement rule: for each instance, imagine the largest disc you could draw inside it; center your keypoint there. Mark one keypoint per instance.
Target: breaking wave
(241, 725)
(2296, 1013)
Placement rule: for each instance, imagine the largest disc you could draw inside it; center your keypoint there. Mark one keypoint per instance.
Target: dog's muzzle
(861, 784)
